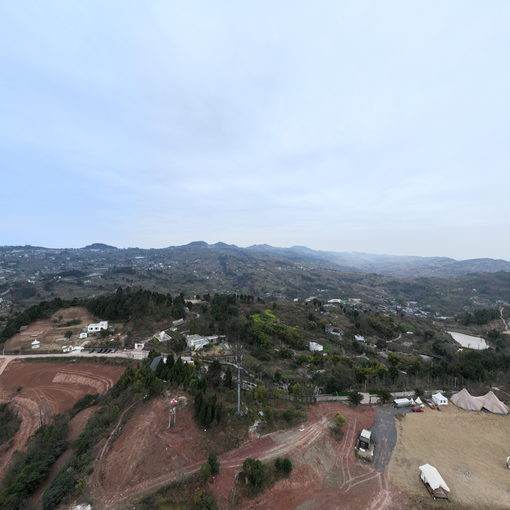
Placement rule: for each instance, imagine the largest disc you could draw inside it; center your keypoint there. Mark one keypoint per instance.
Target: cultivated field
(48, 331)
(325, 470)
(468, 448)
(40, 390)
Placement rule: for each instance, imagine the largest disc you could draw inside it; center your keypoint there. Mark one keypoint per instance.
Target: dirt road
(325, 469)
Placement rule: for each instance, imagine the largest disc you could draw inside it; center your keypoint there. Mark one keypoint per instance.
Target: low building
(96, 327)
(360, 338)
(315, 347)
(196, 342)
(334, 330)
(36, 344)
(83, 335)
(138, 346)
(178, 322)
(163, 337)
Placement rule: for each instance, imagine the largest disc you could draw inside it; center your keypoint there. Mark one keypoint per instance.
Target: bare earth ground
(40, 390)
(326, 473)
(47, 331)
(468, 448)
(150, 454)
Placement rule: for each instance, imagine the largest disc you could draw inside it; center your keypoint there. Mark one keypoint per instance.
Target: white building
(178, 322)
(315, 347)
(138, 346)
(36, 344)
(196, 342)
(83, 335)
(98, 326)
(163, 337)
(360, 338)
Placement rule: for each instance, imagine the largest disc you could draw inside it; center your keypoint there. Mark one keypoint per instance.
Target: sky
(367, 126)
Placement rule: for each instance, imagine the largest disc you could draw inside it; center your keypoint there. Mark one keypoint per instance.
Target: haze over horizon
(376, 128)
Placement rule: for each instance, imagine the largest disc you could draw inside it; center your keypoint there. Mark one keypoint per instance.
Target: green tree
(205, 471)
(214, 463)
(214, 373)
(228, 382)
(286, 466)
(355, 398)
(384, 396)
(254, 473)
(68, 334)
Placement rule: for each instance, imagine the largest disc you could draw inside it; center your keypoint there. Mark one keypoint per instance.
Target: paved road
(385, 434)
(129, 354)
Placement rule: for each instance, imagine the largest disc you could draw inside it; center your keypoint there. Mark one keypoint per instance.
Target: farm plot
(468, 448)
(48, 331)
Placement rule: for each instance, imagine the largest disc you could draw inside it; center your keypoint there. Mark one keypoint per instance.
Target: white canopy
(430, 475)
(439, 399)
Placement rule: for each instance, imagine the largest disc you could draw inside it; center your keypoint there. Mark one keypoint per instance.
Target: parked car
(417, 409)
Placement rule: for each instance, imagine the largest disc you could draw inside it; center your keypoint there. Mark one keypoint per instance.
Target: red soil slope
(39, 390)
(325, 471)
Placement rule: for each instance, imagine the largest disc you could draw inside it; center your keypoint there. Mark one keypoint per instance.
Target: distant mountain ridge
(350, 262)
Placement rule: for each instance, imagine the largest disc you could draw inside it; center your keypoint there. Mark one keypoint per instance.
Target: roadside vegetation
(257, 476)
(9, 423)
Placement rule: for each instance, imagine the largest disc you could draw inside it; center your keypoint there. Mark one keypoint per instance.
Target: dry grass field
(48, 331)
(468, 448)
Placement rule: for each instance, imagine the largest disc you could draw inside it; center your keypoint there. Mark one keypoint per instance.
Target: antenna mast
(239, 358)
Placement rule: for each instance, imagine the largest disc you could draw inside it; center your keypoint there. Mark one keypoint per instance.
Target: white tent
(465, 400)
(430, 475)
(439, 399)
(493, 404)
(489, 401)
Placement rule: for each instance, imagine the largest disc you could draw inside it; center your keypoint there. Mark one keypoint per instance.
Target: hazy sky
(351, 126)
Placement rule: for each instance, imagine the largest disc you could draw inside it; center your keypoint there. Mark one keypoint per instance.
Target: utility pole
(172, 415)
(238, 363)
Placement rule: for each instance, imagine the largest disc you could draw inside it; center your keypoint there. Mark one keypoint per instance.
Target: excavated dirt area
(143, 454)
(326, 473)
(325, 470)
(469, 449)
(39, 390)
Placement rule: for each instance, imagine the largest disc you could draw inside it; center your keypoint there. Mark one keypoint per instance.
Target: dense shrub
(9, 423)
